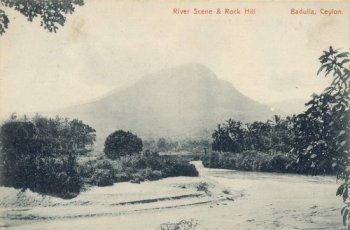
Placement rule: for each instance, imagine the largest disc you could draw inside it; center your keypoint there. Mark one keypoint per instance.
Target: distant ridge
(180, 102)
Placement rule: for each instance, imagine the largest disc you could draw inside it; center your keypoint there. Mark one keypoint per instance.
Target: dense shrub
(281, 163)
(193, 145)
(136, 168)
(121, 143)
(251, 161)
(102, 177)
(40, 154)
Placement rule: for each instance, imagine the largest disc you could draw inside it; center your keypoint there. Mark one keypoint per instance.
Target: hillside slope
(185, 101)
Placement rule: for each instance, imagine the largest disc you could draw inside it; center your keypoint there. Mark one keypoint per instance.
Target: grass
(203, 186)
(181, 225)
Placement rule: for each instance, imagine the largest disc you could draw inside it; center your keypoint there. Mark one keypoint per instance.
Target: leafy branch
(51, 12)
(333, 62)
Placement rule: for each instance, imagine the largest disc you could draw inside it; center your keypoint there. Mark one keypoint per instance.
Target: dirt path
(261, 201)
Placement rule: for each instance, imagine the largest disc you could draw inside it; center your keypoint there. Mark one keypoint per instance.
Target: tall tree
(229, 137)
(323, 131)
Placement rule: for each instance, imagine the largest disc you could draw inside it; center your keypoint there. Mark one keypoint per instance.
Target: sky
(107, 45)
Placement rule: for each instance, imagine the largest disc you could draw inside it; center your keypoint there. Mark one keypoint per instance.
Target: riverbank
(232, 200)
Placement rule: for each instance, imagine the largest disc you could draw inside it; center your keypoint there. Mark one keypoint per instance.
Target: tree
(162, 144)
(282, 134)
(40, 154)
(222, 140)
(259, 136)
(51, 12)
(121, 143)
(323, 130)
(72, 134)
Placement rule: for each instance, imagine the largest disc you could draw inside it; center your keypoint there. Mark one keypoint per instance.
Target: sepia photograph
(174, 115)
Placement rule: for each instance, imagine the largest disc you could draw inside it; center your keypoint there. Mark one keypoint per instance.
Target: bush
(102, 177)
(121, 143)
(252, 161)
(135, 168)
(40, 154)
(183, 224)
(203, 186)
(121, 177)
(282, 163)
(180, 168)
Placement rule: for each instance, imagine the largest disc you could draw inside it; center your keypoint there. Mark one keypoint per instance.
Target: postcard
(174, 114)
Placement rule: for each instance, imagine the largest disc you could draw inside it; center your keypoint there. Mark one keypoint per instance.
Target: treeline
(302, 141)
(275, 135)
(315, 141)
(168, 145)
(258, 146)
(47, 155)
(252, 160)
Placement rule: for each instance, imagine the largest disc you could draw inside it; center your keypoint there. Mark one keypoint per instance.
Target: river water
(261, 201)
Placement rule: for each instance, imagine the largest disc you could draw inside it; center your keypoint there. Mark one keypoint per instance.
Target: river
(261, 201)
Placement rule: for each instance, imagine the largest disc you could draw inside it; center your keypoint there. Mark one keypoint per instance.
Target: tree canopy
(271, 136)
(52, 13)
(40, 153)
(121, 143)
(322, 131)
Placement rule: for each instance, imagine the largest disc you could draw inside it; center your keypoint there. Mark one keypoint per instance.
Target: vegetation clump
(135, 168)
(47, 155)
(41, 154)
(252, 161)
(122, 143)
(183, 225)
(52, 14)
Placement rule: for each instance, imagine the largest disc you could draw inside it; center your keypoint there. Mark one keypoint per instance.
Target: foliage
(229, 137)
(121, 143)
(323, 130)
(326, 140)
(162, 144)
(202, 186)
(51, 12)
(148, 166)
(194, 145)
(251, 160)
(102, 177)
(319, 137)
(40, 154)
(269, 136)
(4, 21)
(181, 225)
(72, 134)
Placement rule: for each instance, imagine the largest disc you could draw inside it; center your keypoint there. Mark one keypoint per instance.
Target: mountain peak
(175, 102)
(195, 67)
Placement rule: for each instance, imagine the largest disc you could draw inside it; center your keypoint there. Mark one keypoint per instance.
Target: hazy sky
(269, 56)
